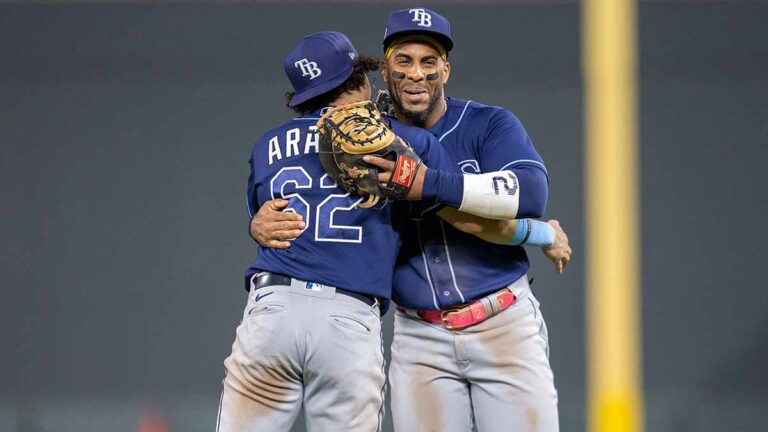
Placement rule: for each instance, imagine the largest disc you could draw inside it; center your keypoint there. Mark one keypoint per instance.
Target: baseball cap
(421, 21)
(319, 63)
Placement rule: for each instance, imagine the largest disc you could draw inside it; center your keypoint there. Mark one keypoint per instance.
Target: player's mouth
(415, 95)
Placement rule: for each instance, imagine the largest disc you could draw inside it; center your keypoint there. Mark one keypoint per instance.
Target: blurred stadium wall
(125, 129)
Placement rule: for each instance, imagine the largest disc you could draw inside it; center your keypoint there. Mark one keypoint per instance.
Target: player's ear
(446, 72)
(383, 69)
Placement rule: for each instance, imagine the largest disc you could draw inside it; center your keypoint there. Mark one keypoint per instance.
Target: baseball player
(491, 368)
(310, 333)
(470, 343)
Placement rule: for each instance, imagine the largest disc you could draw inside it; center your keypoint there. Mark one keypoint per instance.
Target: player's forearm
(490, 230)
(500, 195)
(525, 232)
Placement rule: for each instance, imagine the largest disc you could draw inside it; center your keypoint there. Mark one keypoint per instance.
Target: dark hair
(362, 65)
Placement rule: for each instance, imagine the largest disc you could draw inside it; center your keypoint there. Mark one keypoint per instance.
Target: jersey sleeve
(507, 146)
(251, 199)
(443, 183)
(432, 152)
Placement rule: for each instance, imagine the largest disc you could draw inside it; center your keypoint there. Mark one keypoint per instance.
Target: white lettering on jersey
(421, 17)
(292, 142)
(308, 68)
(312, 140)
(326, 182)
(290, 147)
(274, 150)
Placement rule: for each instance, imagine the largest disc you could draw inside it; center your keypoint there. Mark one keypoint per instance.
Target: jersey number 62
(324, 227)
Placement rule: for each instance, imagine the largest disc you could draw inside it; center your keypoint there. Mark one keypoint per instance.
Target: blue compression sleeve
(521, 232)
(533, 233)
(445, 187)
(542, 234)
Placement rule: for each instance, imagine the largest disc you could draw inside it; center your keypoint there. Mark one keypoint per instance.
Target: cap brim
(439, 37)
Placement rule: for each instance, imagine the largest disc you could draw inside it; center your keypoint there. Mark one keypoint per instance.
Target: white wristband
(494, 195)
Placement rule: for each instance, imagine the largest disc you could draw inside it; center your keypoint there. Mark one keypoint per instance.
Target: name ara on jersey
(291, 146)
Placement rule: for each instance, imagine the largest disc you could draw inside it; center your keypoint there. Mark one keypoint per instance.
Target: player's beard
(416, 118)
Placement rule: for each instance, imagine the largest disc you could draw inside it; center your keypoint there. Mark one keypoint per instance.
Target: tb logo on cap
(421, 17)
(308, 68)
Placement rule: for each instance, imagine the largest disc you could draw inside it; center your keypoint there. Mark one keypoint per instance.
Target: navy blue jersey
(341, 245)
(440, 266)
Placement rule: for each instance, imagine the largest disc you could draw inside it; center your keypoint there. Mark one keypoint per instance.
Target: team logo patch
(314, 286)
(404, 171)
(308, 68)
(469, 166)
(421, 17)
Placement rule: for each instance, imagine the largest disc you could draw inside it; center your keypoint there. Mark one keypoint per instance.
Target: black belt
(270, 279)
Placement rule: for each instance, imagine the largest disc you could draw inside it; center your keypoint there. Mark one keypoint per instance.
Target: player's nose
(416, 73)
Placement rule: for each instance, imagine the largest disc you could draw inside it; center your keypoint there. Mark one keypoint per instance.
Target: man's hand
(387, 167)
(559, 252)
(273, 228)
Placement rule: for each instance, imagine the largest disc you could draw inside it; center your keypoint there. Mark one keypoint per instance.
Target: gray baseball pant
(312, 347)
(495, 374)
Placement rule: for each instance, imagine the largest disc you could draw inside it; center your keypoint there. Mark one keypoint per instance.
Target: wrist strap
(531, 232)
(529, 228)
(522, 232)
(443, 186)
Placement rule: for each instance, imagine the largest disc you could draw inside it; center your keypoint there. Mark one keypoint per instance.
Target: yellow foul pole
(609, 56)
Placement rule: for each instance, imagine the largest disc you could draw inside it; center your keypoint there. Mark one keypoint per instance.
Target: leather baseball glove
(349, 132)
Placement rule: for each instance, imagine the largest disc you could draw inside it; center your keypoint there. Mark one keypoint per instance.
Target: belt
(270, 279)
(468, 314)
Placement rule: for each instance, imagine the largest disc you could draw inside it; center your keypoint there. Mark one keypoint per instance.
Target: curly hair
(361, 66)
